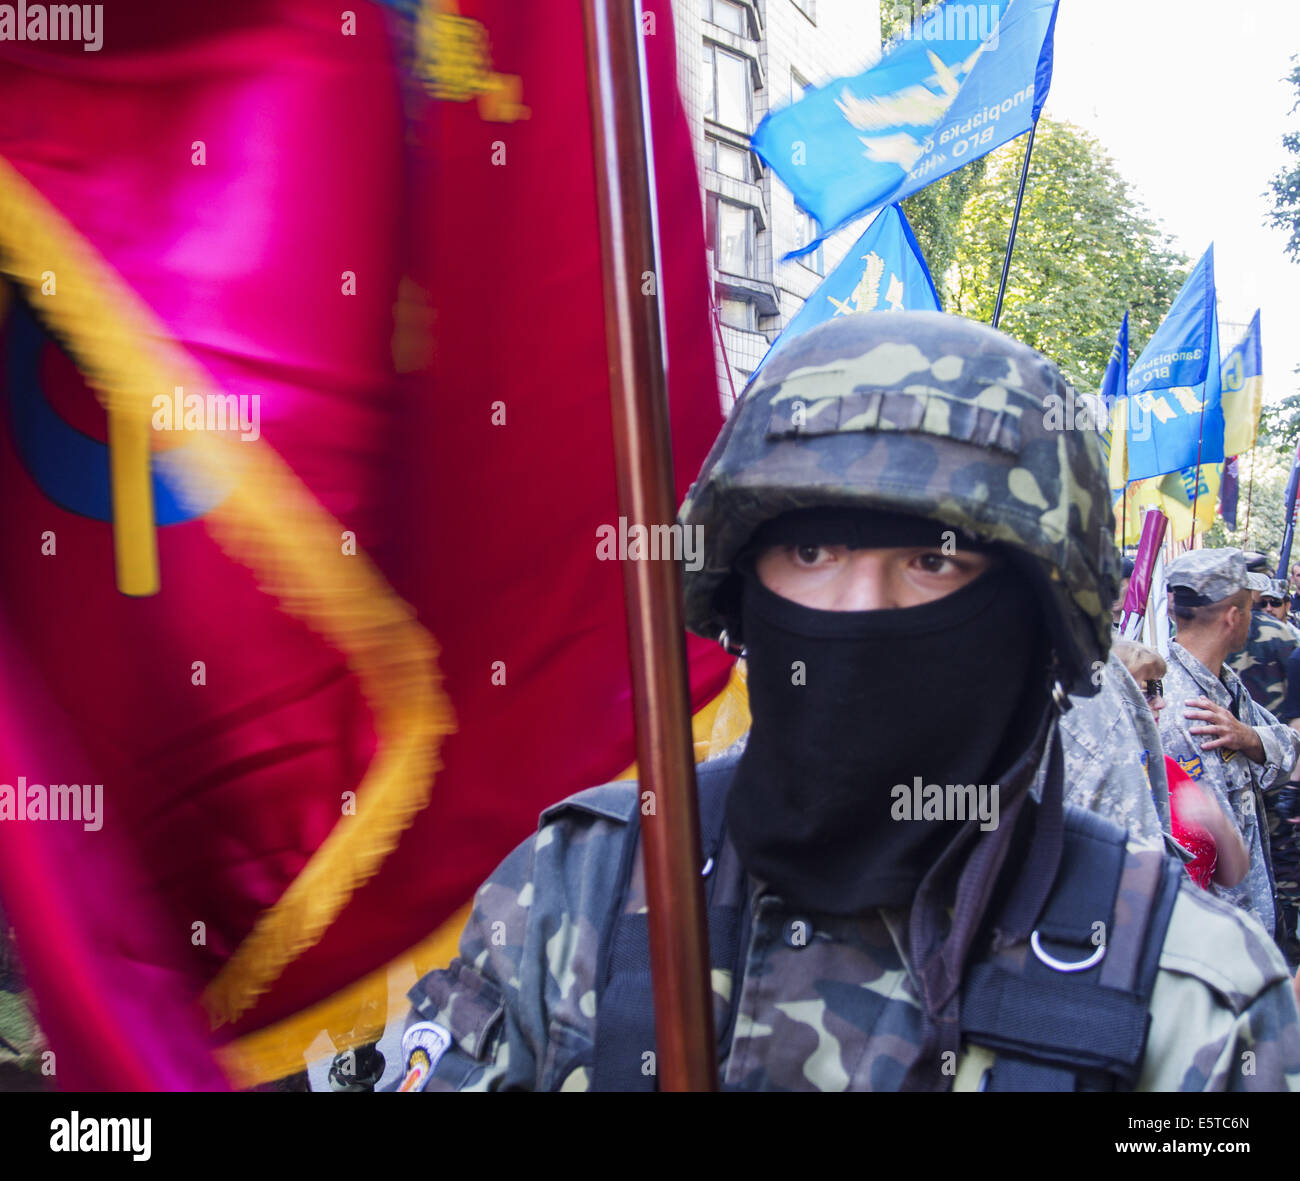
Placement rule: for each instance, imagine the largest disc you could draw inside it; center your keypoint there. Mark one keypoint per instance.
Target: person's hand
(1223, 729)
(1197, 810)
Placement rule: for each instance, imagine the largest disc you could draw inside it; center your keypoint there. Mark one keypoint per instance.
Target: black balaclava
(847, 705)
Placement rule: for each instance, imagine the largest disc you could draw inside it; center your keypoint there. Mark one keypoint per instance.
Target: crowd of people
(1228, 740)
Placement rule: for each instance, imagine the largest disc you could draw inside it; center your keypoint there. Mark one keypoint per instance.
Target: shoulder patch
(423, 1044)
(1192, 766)
(611, 801)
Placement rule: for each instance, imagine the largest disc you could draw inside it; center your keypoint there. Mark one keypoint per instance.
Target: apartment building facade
(738, 60)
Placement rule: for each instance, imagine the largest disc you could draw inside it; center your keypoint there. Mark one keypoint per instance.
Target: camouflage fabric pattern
(21, 1040)
(930, 415)
(1113, 763)
(826, 1003)
(1284, 854)
(1214, 573)
(1233, 779)
(1261, 664)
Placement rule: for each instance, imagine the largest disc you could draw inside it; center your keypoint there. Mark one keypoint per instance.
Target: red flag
(219, 200)
(203, 209)
(508, 470)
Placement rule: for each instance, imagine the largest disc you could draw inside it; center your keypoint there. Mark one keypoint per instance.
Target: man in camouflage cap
(1214, 729)
(894, 511)
(1261, 663)
(1276, 602)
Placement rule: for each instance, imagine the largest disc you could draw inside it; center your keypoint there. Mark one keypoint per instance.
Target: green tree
(1262, 475)
(896, 15)
(1279, 422)
(935, 214)
(1086, 252)
(1285, 186)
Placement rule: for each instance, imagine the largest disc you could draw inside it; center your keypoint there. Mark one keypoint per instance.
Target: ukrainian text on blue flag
(1178, 355)
(1175, 415)
(944, 95)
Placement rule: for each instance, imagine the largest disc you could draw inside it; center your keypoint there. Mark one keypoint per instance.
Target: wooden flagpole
(685, 1052)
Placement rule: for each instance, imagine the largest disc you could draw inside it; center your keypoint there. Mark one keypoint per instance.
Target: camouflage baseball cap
(1214, 574)
(1278, 588)
(926, 414)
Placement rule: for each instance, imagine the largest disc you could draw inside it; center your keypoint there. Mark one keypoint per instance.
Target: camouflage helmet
(926, 414)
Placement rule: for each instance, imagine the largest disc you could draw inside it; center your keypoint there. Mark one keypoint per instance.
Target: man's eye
(809, 555)
(936, 563)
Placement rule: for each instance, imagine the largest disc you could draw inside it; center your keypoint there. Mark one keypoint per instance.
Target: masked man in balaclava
(917, 556)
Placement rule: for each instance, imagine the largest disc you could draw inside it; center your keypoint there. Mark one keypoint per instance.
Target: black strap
(625, 1028)
(1081, 1030)
(1051, 1030)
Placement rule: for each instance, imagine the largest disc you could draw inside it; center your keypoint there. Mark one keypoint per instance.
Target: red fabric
(1192, 837)
(108, 968)
(215, 797)
(499, 549)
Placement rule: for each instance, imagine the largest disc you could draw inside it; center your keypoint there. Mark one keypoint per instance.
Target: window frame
(717, 146)
(751, 317)
(818, 256)
(750, 237)
(744, 31)
(710, 57)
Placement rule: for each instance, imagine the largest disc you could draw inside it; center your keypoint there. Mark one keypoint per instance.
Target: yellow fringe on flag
(271, 523)
(355, 1016)
(358, 1014)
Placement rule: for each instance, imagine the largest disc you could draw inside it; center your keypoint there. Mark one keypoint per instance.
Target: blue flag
(963, 80)
(883, 272)
(1114, 384)
(1175, 419)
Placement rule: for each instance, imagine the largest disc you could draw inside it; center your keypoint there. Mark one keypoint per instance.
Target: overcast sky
(1187, 96)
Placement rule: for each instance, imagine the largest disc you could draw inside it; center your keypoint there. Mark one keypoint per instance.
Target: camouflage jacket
(1261, 664)
(1112, 756)
(835, 1009)
(1232, 777)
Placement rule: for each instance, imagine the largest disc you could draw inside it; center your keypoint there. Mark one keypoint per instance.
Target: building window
(740, 379)
(730, 161)
(727, 94)
(726, 14)
(737, 313)
(734, 238)
(805, 231)
(808, 8)
(798, 84)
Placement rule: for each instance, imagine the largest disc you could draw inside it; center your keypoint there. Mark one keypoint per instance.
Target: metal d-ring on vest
(1061, 965)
